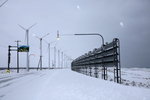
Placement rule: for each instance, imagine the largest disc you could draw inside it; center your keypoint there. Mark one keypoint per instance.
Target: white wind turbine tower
(27, 42)
(40, 60)
(49, 52)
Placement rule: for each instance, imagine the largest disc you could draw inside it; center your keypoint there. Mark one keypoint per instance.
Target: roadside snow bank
(68, 85)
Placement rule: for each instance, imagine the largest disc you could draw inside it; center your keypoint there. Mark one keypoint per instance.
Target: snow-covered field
(138, 77)
(64, 84)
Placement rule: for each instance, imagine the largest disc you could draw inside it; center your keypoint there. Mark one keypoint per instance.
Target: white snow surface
(138, 77)
(136, 74)
(64, 84)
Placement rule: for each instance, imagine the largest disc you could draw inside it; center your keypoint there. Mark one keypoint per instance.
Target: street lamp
(40, 60)
(94, 34)
(58, 36)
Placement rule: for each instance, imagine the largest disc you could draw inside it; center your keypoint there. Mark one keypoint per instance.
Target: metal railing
(106, 56)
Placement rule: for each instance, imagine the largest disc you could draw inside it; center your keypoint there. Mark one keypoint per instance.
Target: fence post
(90, 71)
(96, 72)
(9, 54)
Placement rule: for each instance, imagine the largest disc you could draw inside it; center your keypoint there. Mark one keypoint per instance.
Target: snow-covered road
(64, 84)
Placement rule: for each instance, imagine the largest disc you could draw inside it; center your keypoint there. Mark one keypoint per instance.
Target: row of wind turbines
(63, 61)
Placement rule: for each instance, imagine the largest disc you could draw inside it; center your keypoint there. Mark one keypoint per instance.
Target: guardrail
(5, 68)
(106, 56)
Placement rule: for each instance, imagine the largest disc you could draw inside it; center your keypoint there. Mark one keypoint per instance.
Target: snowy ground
(64, 84)
(138, 77)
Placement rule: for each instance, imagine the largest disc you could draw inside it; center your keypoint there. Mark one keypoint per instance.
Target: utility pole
(9, 54)
(55, 56)
(49, 55)
(66, 61)
(17, 56)
(27, 32)
(40, 54)
(59, 58)
(27, 37)
(62, 59)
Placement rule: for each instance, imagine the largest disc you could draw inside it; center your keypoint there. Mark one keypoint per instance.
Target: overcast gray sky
(128, 20)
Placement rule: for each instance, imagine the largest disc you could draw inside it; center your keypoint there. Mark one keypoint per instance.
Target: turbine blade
(32, 26)
(22, 27)
(45, 35)
(3, 3)
(36, 36)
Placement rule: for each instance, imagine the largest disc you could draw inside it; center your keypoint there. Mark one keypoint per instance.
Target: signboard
(23, 48)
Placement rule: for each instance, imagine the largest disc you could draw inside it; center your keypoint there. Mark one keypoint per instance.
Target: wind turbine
(27, 41)
(40, 60)
(49, 52)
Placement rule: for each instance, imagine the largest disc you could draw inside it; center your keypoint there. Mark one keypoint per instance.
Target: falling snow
(121, 24)
(78, 7)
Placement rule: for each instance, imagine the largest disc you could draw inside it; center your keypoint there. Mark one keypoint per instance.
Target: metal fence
(106, 56)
